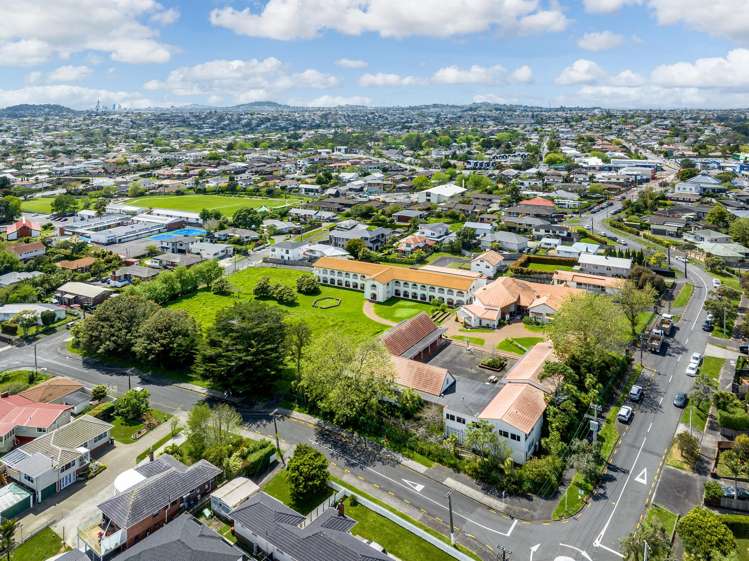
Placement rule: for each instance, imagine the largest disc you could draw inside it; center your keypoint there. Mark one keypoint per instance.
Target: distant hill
(27, 110)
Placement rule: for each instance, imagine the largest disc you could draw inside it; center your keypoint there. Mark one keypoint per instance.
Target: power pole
(278, 443)
(450, 509)
(36, 370)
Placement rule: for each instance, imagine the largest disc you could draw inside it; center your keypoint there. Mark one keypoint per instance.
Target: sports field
(42, 205)
(226, 205)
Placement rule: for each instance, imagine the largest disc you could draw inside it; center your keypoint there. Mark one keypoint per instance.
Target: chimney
(150, 455)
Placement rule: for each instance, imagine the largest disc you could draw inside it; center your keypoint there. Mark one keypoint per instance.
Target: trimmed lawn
(682, 299)
(664, 516)
(643, 319)
(346, 318)
(398, 310)
(548, 267)
(573, 499)
(727, 280)
(478, 341)
(742, 549)
(278, 487)
(395, 539)
(42, 546)
(15, 381)
(42, 205)
(195, 203)
(675, 460)
(123, 431)
(699, 414)
(515, 345)
(712, 365)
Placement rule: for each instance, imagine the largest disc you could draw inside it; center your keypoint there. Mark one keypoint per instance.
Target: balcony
(101, 537)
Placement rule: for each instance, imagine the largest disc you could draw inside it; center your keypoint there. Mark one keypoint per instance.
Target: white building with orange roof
(380, 282)
(488, 263)
(517, 410)
(507, 296)
(592, 283)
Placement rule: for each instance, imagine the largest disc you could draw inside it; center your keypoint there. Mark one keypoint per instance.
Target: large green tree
(652, 533)
(244, 350)
(348, 382)
(112, 329)
(739, 231)
(307, 472)
(248, 218)
(633, 301)
(167, 338)
(132, 404)
(719, 217)
(64, 204)
(704, 535)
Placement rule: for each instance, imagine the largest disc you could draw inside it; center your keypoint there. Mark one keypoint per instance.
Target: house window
(28, 478)
(449, 416)
(514, 436)
(461, 420)
(503, 433)
(101, 437)
(41, 429)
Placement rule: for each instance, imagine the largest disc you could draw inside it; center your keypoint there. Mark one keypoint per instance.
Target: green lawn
(727, 280)
(195, 203)
(573, 499)
(664, 516)
(742, 549)
(395, 539)
(698, 413)
(548, 267)
(278, 487)
(712, 365)
(348, 318)
(123, 431)
(42, 205)
(682, 299)
(398, 310)
(478, 341)
(515, 345)
(15, 381)
(42, 546)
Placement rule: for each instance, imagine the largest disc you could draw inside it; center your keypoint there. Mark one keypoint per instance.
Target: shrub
(284, 295)
(48, 317)
(221, 286)
(10, 328)
(99, 392)
(307, 472)
(538, 473)
(258, 461)
(496, 362)
(307, 284)
(103, 411)
(735, 421)
(713, 493)
(263, 288)
(410, 402)
(689, 447)
(132, 405)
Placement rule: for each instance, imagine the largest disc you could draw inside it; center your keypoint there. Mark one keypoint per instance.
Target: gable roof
(491, 257)
(21, 248)
(537, 201)
(52, 389)
(21, 223)
(183, 539)
(422, 377)
(17, 410)
(411, 334)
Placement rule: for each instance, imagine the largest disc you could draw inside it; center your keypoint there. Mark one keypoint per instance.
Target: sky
(148, 53)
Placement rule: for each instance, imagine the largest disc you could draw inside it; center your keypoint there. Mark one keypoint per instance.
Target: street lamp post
(450, 509)
(36, 369)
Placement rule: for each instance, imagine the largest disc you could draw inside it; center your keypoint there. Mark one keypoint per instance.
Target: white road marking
(534, 549)
(611, 550)
(687, 339)
(643, 477)
(580, 551)
(679, 359)
(650, 427)
(599, 539)
(6, 348)
(671, 377)
(660, 401)
(418, 487)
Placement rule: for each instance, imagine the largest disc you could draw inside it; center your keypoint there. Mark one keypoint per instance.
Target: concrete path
(491, 338)
(369, 311)
(720, 352)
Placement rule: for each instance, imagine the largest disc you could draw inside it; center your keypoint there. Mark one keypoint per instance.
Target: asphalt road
(593, 534)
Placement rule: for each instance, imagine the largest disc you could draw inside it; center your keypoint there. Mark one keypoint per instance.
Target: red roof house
(537, 201)
(22, 420)
(24, 228)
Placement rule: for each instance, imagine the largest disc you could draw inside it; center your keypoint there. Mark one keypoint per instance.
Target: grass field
(478, 341)
(123, 431)
(278, 487)
(348, 318)
(195, 203)
(664, 516)
(515, 345)
(398, 310)
(42, 205)
(548, 267)
(682, 299)
(42, 546)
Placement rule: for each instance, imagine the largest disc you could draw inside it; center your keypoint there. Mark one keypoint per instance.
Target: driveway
(679, 490)
(490, 338)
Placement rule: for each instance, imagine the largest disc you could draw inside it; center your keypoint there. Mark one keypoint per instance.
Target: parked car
(696, 358)
(707, 326)
(744, 349)
(625, 414)
(636, 393)
(709, 317)
(692, 369)
(730, 492)
(680, 400)
(716, 283)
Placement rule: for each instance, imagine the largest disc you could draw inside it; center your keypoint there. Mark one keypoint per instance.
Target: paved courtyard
(491, 338)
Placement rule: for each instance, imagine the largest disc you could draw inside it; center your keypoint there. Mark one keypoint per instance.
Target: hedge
(258, 461)
(593, 236)
(734, 421)
(543, 259)
(737, 523)
(103, 411)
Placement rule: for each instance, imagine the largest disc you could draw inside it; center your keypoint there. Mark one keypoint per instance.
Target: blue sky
(139, 53)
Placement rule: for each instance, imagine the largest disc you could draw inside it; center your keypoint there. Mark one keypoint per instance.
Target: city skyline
(143, 53)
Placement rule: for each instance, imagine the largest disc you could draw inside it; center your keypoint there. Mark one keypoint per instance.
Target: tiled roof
(21, 248)
(52, 389)
(75, 264)
(537, 201)
(157, 491)
(426, 378)
(491, 257)
(408, 334)
(17, 410)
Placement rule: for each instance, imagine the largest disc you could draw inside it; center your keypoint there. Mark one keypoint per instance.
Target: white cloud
(627, 78)
(582, 71)
(599, 41)
(605, 6)
(165, 17)
(69, 73)
(382, 79)
(522, 74)
(731, 71)
(294, 19)
(34, 31)
(245, 80)
(476, 74)
(76, 97)
(351, 63)
(335, 101)
(33, 77)
(488, 98)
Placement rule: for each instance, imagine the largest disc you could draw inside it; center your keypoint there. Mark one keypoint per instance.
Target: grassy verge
(156, 445)
(674, 459)
(518, 345)
(664, 516)
(478, 341)
(682, 299)
(278, 487)
(42, 546)
(14, 381)
(416, 523)
(123, 431)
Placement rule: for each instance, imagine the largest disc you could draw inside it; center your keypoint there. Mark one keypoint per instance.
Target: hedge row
(593, 236)
(734, 421)
(103, 411)
(526, 260)
(257, 462)
(737, 523)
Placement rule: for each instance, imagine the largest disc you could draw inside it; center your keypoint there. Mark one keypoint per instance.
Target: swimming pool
(181, 232)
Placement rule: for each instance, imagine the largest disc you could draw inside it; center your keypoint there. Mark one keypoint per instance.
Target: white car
(680, 258)
(716, 283)
(692, 369)
(625, 414)
(695, 359)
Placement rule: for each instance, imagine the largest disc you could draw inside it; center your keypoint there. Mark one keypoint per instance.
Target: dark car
(680, 400)
(707, 326)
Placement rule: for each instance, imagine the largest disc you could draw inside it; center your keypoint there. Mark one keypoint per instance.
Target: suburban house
(272, 530)
(208, 250)
(183, 539)
(82, 294)
(381, 282)
(60, 390)
(436, 231)
(242, 234)
(231, 494)
(605, 265)
(517, 410)
(349, 230)
(488, 263)
(174, 260)
(56, 459)
(14, 277)
(81, 265)
(146, 497)
(592, 283)
(408, 215)
(440, 194)
(507, 297)
(546, 229)
(414, 242)
(22, 420)
(733, 254)
(23, 228)
(576, 249)
(9, 311)
(509, 241)
(132, 273)
(177, 244)
(702, 184)
(666, 225)
(26, 251)
(707, 236)
(288, 251)
(537, 207)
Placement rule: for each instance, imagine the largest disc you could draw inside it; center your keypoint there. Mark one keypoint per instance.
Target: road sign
(643, 477)
(418, 487)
